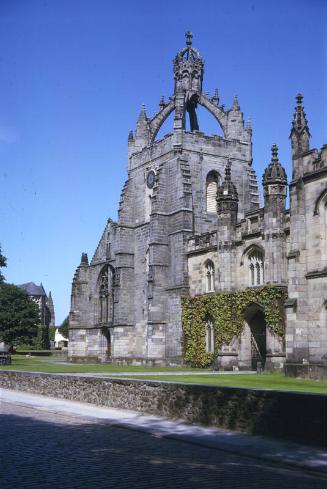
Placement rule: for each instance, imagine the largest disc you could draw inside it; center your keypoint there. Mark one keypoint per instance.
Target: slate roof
(33, 289)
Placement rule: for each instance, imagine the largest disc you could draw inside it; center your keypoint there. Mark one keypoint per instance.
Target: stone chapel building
(190, 223)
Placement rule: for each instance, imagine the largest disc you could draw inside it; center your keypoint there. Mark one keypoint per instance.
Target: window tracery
(210, 276)
(211, 190)
(105, 286)
(256, 268)
(210, 337)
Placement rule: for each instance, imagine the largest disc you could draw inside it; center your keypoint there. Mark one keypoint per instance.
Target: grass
(43, 364)
(271, 381)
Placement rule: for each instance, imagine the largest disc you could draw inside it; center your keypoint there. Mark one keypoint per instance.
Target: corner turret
(274, 183)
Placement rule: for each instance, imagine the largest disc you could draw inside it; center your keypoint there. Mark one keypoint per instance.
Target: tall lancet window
(210, 276)
(210, 337)
(105, 287)
(211, 190)
(255, 263)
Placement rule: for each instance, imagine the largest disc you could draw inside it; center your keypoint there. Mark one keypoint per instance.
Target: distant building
(59, 340)
(45, 303)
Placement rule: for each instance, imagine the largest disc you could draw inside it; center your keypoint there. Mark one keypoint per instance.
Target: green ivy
(226, 310)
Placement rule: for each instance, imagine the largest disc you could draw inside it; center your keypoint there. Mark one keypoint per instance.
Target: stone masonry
(190, 223)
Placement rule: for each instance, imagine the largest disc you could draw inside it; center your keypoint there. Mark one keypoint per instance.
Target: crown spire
(188, 60)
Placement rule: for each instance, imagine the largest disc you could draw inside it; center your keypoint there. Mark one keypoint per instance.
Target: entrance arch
(254, 337)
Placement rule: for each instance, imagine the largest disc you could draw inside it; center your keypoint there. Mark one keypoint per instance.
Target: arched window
(105, 288)
(210, 337)
(211, 191)
(210, 276)
(255, 263)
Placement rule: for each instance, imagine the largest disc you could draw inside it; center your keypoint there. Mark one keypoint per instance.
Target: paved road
(43, 449)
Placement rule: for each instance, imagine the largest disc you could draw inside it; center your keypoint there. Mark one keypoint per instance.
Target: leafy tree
(3, 263)
(65, 327)
(19, 315)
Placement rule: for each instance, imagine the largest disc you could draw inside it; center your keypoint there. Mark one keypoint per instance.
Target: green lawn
(262, 381)
(269, 381)
(43, 364)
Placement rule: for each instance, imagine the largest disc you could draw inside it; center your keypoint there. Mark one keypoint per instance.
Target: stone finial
(130, 136)
(236, 105)
(162, 103)
(142, 116)
(227, 196)
(189, 37)
(300, 133)
(274, 152)
(84, 259)
(300, 122)
(215, 98)
(249, 124)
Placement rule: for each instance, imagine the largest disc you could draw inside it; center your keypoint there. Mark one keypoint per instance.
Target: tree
(65, 327)
(3, 263)
(19, 315)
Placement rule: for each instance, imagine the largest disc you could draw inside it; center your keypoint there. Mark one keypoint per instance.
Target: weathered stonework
(190, 223)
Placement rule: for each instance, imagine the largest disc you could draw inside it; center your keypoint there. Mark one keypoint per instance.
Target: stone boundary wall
(297, 416)
(45, 353)
(310, 371)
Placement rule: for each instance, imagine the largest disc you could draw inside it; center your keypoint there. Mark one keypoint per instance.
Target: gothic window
(105, 287)
(255, 264)
(210, 276)
(211, 191)
(210, 337)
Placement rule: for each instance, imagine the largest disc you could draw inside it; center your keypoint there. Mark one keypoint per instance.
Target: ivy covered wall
(226, 311)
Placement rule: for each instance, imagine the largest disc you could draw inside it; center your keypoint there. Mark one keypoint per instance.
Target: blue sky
(73, 76)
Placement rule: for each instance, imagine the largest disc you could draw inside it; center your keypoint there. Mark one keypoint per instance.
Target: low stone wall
(296, 416)
(45, 353)
(306, 371)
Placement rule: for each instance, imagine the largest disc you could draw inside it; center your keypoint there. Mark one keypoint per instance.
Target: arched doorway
(257, 349)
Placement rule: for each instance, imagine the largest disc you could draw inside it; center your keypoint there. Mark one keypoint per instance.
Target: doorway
(255, 318)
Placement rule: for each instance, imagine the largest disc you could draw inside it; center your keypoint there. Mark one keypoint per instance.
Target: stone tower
(51, 310)
(126, 302)
(306, 335)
